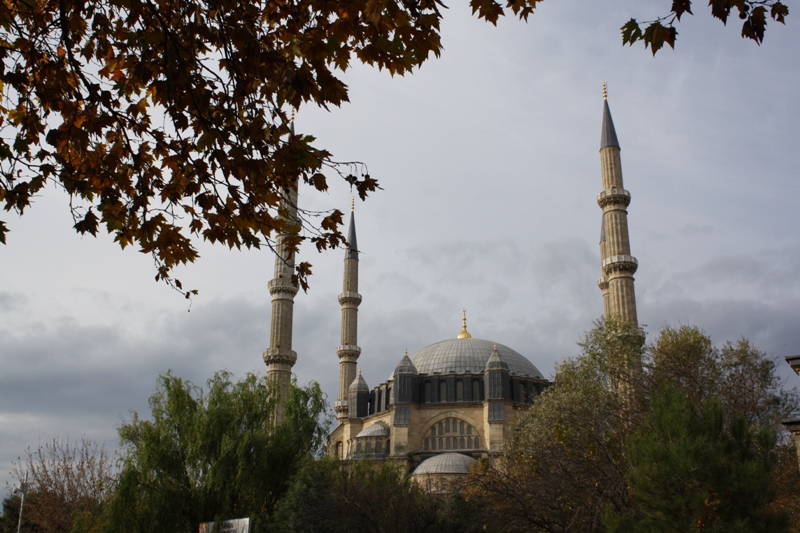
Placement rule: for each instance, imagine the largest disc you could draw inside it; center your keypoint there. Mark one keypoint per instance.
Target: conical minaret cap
(359, 384)
(494, 362)
(406, 366)
(608, 136)
(351, 252)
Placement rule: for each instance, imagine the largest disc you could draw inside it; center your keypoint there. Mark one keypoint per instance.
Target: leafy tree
(212, 456)
(696, 469)
(166, 120)
(568, 461)
(370, 497)
(67, 483)
(565, 461)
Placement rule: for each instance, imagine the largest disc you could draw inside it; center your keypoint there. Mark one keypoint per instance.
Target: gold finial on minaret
(464, 333)
(605, 91)
(352, 203)
(406, 352)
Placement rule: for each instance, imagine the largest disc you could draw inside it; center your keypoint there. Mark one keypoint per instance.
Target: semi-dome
(445, 463)
(468, 355)
(378, 429)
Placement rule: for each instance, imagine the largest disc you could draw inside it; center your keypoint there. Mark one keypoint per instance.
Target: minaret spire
(618, 265)
(280, 357)
(348, 351)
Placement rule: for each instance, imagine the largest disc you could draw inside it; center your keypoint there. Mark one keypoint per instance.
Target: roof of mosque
(445, 463)
(469, 356)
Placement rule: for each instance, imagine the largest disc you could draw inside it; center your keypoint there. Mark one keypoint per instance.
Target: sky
(488, 159)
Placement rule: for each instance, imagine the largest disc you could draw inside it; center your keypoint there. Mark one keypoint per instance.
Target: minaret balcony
(614, 197)
(280, 356)
(348, 351)
(349, 298)
(279, 285)
(620, 263)
(341, 408)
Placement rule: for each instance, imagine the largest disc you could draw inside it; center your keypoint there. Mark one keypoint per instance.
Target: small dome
(469, 356)
(359, 384)
(378, 429)
(445, 463)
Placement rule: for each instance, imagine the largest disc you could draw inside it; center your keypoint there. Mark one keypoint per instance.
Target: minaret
(280, 357)
(348, 351)
(618, 266)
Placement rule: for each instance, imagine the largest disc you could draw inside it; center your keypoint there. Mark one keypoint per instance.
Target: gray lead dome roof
(445, 463)
(469, 356)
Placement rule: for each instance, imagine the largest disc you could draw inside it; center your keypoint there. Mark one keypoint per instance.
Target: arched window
(523, 394)
(442, 391)
(378, 447)
(379, 403)
(339, 450)
(428, 393)
(459, 391)
(369, 447)
(388, 397)
(358, 447)
(388, 447)
(452, 434)
(476, 390)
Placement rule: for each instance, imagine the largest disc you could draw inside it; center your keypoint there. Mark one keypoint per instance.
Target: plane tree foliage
(585, 456)
(206, 456)
(168, 121)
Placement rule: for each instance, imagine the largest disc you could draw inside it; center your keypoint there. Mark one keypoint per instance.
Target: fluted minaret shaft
(348, 350)
(618, 265)
(280, 357)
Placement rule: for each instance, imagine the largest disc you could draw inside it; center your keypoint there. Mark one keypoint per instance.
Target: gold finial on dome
(605, 91)
(352, 203)
(464, 333)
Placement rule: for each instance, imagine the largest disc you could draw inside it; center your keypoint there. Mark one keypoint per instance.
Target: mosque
(451, 402)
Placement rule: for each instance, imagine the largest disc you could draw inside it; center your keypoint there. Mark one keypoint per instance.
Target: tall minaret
(348, 351)
(280, 357)
(618, 266)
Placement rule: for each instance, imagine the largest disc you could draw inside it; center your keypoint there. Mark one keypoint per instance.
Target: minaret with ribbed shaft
(618, 265)
(280, 357)
(348, 351)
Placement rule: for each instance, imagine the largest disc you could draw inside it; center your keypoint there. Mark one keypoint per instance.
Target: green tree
(696, 469)
(370, 497)
(565, 461)
(568, 461)
(212, 456)
(166, 120)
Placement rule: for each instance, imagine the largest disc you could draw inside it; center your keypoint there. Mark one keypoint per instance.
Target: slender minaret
(618, 266)
(348, 351)
(280, 357)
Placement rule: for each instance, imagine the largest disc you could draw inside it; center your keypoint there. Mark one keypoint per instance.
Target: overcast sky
(488, 159)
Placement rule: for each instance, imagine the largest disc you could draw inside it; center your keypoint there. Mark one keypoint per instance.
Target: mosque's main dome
(469, 356)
